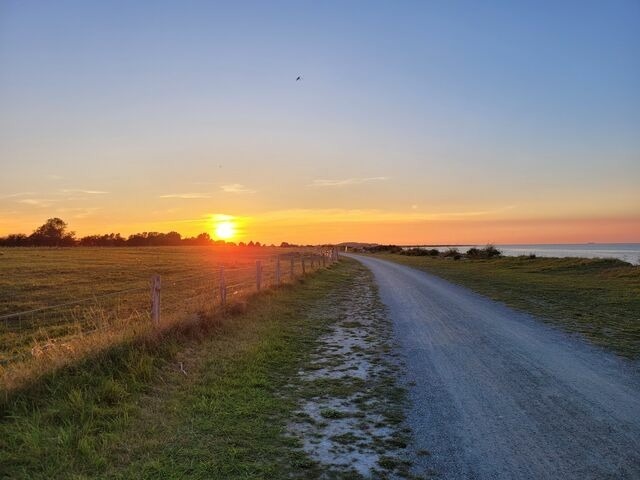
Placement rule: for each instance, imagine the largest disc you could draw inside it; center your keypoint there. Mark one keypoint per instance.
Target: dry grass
(37, 343)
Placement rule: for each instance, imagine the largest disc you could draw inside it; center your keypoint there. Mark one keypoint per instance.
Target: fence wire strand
(28, 333)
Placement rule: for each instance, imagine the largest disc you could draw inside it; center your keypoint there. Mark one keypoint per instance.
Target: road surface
(497, 394)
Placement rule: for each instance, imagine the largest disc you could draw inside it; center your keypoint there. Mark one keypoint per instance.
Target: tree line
(55, 233)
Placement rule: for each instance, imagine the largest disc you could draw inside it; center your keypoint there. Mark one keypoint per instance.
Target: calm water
(629, 252)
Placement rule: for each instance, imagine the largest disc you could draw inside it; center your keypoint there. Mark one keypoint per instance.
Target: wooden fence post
(303, 269)
(258, 275)
(293, 269)
(278, 270)
(223, 288)
(155, 300)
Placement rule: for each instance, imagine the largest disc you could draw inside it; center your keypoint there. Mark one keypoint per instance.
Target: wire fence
(165, 300)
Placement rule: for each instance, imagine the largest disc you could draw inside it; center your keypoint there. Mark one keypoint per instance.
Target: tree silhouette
(53, 234)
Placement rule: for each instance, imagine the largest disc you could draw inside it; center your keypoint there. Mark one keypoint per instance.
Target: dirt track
(498, 394)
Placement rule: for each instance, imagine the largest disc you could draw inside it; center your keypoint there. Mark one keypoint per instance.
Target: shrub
(487, 252)
(415, 252)
(383, 248)
(474, 252)
(491, 251)
(451, 252)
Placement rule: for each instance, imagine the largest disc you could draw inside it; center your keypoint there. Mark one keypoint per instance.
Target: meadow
(209, 399)
(598, 299)
(81, 299)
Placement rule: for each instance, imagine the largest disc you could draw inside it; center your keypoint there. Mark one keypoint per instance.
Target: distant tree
(171, 238)
(204, 238)
(137, 240)
(53, 234)
(106, 240)
(251, 244)
(15, 240)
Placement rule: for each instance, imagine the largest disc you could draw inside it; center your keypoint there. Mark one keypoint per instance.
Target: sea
(629, 252)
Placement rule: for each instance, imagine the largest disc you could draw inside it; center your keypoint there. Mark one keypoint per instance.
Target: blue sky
(422, 110)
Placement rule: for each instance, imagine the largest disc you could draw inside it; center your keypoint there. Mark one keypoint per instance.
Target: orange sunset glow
(332, 140)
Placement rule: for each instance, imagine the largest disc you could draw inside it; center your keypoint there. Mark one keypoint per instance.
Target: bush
(383, 248)
(489, 251)
(474, 252)
(451, 252)
(415, 252)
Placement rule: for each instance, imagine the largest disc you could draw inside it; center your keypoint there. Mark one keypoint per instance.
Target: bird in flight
(298, 79)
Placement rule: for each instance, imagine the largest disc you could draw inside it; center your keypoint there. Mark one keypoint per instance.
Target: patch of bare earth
(350, 420)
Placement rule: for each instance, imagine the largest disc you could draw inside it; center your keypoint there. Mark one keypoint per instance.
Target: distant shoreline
(627, 252)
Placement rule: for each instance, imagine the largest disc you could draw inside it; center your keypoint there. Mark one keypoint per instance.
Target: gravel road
(497, 394)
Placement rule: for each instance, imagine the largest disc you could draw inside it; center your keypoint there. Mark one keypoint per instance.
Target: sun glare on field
(225, 230)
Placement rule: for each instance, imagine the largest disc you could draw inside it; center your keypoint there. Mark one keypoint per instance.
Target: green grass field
(204, 400)
(599, 299)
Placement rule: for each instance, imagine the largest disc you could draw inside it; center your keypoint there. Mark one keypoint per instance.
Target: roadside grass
(208, 400)
(597, 298)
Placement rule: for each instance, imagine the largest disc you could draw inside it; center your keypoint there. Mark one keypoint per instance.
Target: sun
(225, 230)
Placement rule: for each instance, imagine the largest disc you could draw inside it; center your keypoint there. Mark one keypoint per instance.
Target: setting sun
(225, 230)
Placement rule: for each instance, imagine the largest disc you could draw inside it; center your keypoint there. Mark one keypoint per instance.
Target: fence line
(162, 299)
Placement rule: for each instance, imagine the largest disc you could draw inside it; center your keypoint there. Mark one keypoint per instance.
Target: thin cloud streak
(236, 188)
(293, 216)
(80, 190)
(345, 182)
(337, 215)
(15, 195)
(38, 202)
(186, 195)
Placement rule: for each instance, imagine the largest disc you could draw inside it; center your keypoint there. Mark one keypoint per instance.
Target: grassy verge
(600, 299)
(210, 402)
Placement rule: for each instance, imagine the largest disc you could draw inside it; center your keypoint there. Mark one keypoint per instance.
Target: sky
(414, 122)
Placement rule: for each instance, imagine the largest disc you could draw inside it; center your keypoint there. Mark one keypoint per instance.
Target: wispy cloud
(81, 190)
(293, 217)
(186, 195)
(345, 181)
(38, 202)
(236, 188)
(79, 212)
(16, 195)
